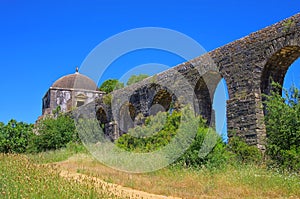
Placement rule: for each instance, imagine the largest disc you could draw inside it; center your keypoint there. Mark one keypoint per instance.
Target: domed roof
(75, 81)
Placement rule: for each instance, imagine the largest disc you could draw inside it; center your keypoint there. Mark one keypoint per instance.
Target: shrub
(205, 148)
(283, 127)
(243, 152)
(156, 133)
(53, 133)
(107, 99)
(14, 136)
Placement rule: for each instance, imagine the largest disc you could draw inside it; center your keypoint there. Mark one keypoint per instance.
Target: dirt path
(118, 190)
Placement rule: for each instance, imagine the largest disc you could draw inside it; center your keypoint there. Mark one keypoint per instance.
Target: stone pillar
(245, 118)
(112, 130)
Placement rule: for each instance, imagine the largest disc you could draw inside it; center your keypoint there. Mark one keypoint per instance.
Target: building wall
(67, 99)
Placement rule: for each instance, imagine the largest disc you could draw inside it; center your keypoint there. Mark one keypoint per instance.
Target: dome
(75, 81)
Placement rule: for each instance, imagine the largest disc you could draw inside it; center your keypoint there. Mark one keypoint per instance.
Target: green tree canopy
(136, 78)
(283, 127)
(14, 136)
(53, 133)
(110, 85)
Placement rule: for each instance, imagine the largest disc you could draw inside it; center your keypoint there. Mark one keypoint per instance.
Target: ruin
(248, 65)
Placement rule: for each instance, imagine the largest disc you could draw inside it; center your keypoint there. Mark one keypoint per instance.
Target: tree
(283, 127)
(110, 85)
(14, 136)
(136, 78)
(53, 133)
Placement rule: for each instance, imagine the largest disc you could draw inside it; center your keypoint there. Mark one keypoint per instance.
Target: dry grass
(231, 182)
(20, 178)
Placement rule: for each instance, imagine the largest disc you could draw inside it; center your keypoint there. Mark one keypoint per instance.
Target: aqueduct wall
(247, 65)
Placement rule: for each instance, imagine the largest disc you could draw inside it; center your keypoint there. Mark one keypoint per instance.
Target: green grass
(29, 177)
(57, 155)
(20, 178)
(231, 181)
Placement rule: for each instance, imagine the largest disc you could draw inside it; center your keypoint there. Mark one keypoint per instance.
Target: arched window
(80, 100)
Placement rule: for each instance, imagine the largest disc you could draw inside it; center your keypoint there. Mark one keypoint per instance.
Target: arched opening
(220, 109)
(141, 98)
(277, 67)
(203, 104)
(292, 76)
(161, 102)
(127, 115)
(102, 118)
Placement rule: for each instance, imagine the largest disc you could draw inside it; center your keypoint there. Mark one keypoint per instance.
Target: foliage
(53, 133)
(90, 131)
(156, 133)
(56, 111)
(288, 24)
(14, 136)
(160, 129)
(283, 127)
(207, 149)
(107, 99)
(243, 152)
(110, 85)
(136, 78)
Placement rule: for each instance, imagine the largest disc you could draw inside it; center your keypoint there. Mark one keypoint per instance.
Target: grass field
(37, 176)
(20, 178)
(232, 181)
(243, 181)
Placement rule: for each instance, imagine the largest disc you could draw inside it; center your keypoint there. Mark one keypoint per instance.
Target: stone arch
(163, 98)
(129, 110)
(203, 101)
(204, 94)
(102, 118)
(276, 68)
(127, 114)
(101, 115)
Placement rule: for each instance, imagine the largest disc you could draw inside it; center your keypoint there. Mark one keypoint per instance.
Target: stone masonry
(248, 65)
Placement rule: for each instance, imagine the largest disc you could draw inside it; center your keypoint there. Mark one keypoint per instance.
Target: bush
(53, 133)
(156, 133)
(206, 148)
(283, 127)
(14, 136)
(243, 152)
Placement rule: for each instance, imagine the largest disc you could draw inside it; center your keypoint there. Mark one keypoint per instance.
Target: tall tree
(110, 85)
(136, 78)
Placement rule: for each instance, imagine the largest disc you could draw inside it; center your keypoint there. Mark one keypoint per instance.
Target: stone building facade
(69, 92)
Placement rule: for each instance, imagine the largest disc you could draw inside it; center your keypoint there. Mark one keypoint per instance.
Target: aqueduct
(247, 65)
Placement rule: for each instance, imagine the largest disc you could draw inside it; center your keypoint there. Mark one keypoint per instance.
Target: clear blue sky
(44, 40)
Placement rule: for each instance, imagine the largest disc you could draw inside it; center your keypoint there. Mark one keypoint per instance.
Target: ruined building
(69, 92)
